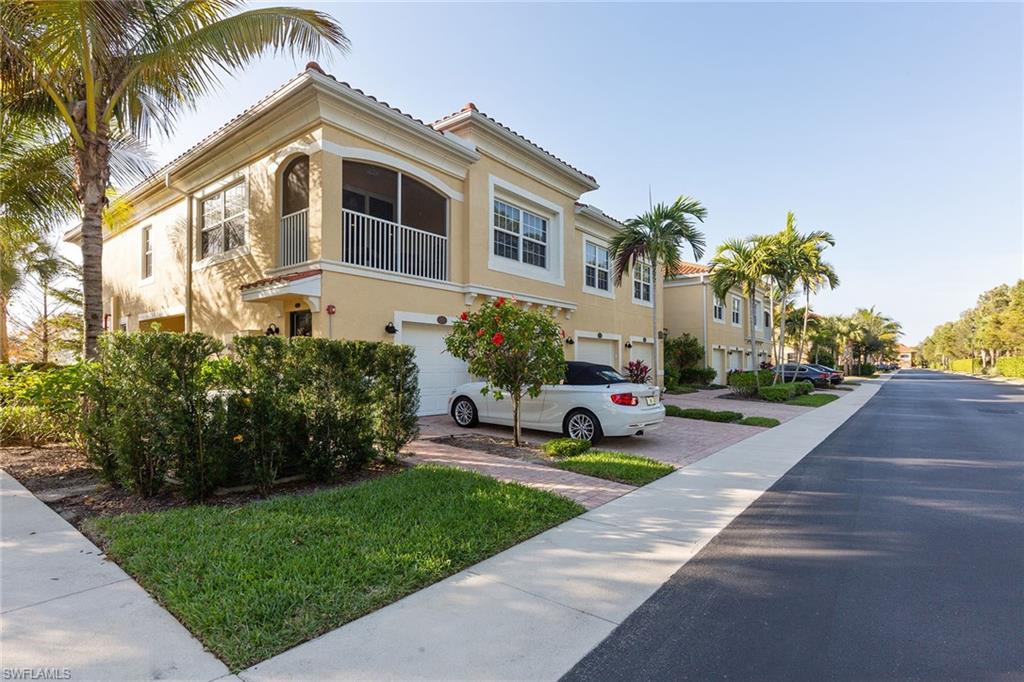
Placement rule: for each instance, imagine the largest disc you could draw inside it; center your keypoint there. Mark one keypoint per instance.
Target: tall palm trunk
(46, 324)
(783, 296)
(654, 320)
(803, 332)
(753, 342)
(93, 171)
(4, 340)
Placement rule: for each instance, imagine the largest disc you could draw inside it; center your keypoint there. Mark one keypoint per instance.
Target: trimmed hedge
(745, 383)
(766, 422)
(725, 416)
(782, 392)
(1011, 366)
(566, 447)
(163, 403)
(965, 365)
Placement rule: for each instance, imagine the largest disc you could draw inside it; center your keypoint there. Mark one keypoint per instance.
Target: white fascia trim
(671, 283)
(306, 287)
(555, 272)
(162, 312)
(599, 216)
(640, 339)
(401, 316)
(361, 154)
(481, 290)
(518, 142)
(583, 334)
(610, 293)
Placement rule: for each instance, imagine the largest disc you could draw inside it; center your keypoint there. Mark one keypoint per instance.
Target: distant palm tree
(814, 276)
(111, 71)
(741, 263)
(655, 238)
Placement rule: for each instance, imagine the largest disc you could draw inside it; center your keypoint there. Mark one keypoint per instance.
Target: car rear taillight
(625, 399)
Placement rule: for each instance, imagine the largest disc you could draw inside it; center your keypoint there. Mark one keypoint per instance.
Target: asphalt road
(894, 550)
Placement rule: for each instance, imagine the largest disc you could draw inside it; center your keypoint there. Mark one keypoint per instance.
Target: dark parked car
(835, 376)
(819, 378)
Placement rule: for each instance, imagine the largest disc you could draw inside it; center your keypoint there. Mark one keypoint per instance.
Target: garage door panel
(599, 351)
(439, 371)
(644, 352)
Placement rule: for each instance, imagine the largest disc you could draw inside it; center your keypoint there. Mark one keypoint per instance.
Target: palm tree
(815, 275)
(741, 263)
(109, 72)
(656, 237)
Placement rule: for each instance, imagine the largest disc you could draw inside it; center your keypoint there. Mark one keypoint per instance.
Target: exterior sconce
(730, 352)
(628, 344)
(390, 328)
(569, 341)
(273, 330)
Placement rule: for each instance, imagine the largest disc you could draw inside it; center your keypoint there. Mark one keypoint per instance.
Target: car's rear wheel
(464, 412)
(582, 425)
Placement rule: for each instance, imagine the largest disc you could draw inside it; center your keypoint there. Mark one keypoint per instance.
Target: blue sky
(900, 128)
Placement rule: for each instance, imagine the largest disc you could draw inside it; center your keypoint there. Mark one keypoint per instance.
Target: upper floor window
(767, 319)
(223, 220)
(757, 314)
(295, 186)
(642, 281)
(147, 252)
(718, 309)
(520, 235)
(596, 272)
(736, 309)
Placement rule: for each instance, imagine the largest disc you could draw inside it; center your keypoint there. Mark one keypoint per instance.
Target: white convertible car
(593, 401)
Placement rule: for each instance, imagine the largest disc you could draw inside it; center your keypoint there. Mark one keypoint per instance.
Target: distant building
(907, 355)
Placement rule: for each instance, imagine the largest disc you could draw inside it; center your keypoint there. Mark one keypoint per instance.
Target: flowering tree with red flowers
(514, 350)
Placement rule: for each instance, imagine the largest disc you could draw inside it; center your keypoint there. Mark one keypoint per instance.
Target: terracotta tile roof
(906, 349)
(281, 279)
(469, 106)
(580, 205)
(687, 268)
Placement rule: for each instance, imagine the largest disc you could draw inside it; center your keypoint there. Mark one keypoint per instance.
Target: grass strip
(700, 413)
(767, 422)
(813, 400)
(255, 580)
(616, 466)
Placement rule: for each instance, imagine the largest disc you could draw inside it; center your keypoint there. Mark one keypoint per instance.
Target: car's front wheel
(582, 425)
(464, 412)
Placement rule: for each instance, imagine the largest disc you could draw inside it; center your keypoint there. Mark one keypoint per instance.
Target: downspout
(188, 250)
(704, 319)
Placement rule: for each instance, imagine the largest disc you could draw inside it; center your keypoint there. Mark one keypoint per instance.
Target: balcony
(387, 246)
(294, 238)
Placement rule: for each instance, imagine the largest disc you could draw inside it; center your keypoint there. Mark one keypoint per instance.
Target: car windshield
(586, 374)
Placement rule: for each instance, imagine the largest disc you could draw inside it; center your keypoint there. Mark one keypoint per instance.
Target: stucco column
(325, 206)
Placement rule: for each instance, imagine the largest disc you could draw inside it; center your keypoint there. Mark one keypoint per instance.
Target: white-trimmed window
(520, 235)
(767, 319)
(223, 221)
(736, 315)
(596, 268)
(147, 252)
(642, 281)
(718, 309)
(757, 314)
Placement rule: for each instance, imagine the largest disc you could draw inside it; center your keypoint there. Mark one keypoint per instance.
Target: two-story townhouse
(323, 211)
(721, 325)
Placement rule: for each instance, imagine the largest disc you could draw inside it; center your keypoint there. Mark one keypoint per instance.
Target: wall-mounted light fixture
(569, 341)
(390, 328)
(628, 344)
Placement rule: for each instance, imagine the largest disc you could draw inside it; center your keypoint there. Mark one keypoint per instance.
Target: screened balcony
(294, 225)
(393, 223)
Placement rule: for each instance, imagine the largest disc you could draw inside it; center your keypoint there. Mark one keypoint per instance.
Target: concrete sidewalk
(66, 612)
(534, 610)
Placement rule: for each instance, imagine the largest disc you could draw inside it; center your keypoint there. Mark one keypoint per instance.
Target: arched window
(295, 186)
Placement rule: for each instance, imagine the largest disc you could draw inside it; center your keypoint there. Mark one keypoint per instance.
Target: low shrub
(55, 394)
(745, 382)
(767, 422)
(865, 369)
(680, 389)
(26, 425)
(566, 447)
(779, 393)
(1011, 366)
(396, 398)
(638, 372)
(802, 387)
(699, 376)
(700, 413)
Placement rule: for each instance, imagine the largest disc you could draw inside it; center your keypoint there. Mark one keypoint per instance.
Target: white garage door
(718, 362)
(439, 371)
(601, 351)
(734, 359)
(643, 351)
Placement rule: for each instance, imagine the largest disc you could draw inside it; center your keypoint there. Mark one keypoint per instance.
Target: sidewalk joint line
(64, 596)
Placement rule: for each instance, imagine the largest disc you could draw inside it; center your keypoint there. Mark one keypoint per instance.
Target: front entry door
(300, 323)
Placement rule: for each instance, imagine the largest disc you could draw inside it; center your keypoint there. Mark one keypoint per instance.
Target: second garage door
(601, 351)
(439, 371)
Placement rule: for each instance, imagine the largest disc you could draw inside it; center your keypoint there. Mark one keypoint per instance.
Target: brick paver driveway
(710, 400)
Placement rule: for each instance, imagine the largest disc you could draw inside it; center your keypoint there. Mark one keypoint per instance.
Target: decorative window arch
(295, 186)
(393, 195)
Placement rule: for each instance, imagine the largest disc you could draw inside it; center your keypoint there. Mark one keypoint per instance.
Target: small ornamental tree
(515, 351)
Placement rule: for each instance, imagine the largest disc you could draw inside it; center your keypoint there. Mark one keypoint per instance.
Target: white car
(593, 401)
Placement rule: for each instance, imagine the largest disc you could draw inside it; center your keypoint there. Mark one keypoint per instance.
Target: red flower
(464, 316)
(479, 333)
(498, 339)
(500, 302)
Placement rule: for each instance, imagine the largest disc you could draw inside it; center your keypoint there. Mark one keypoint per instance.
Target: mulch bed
(61, 477)
(496, 445)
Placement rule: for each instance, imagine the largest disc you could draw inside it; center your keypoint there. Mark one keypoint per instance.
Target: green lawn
(812, 399)
(700, 413)
(254, 580)
(767, 422)
(616, 466)
(681, 389)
